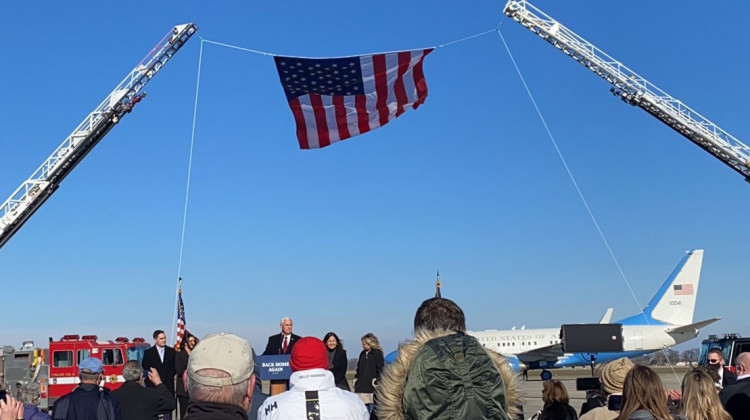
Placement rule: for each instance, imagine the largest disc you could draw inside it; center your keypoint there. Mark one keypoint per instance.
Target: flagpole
(174, 316)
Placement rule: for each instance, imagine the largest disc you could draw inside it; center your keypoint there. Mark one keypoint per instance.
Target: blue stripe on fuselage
(583, 359)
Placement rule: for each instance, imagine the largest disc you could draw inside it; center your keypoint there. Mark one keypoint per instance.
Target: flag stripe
(419, 81)
(299, 119)
(381, 87)
(363, 121)
(320, 120)
(341, 121)
(404, 61)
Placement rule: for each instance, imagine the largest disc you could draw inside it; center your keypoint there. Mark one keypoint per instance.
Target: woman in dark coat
(180, 365)
(337, 361)
(369, 366)
(556, 402)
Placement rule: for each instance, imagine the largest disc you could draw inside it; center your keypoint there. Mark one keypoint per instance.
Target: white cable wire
(187, 190)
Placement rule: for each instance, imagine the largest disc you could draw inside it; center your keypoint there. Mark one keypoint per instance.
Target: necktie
(161, 354)
(285, 345)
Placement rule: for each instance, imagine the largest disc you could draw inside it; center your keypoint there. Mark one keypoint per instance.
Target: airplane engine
(515, 363)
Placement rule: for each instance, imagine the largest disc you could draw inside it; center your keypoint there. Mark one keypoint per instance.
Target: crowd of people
(635, 392)
(442, 373)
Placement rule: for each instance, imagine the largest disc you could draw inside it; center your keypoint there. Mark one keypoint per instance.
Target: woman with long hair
(369, 366)
(337, 361)
(700, 401)
(180, 364)
(556, 402)
(643, 396)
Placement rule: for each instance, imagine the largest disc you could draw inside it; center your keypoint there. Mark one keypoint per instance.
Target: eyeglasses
(713, 361)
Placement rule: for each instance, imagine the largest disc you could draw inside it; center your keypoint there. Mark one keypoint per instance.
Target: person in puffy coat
(429, 377)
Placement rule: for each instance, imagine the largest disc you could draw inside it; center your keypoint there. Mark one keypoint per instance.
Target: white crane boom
(44, 181)
(634, 89)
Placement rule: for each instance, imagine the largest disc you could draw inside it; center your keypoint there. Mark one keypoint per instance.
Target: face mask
(714, 367)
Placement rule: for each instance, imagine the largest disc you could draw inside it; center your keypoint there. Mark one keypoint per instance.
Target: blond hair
(370, 339)
(643, 390)
(700, 401)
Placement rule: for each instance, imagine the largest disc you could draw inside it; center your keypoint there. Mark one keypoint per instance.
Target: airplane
(666, 320)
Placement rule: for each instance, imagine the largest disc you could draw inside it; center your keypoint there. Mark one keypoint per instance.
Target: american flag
(333, 99)
(683, 289)
(181, 330)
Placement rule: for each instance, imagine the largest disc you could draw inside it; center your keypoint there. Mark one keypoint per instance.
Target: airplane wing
(548, 353)
(692, 328)
(607, 316)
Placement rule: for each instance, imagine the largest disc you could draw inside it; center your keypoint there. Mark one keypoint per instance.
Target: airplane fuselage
(638, 340)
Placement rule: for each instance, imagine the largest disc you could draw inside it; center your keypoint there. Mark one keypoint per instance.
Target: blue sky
(349, 238)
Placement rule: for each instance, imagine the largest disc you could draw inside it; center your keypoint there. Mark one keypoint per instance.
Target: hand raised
(11, 409)
(154, 377)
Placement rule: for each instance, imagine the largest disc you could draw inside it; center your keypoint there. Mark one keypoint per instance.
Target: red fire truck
(66, 353)
(53, 372)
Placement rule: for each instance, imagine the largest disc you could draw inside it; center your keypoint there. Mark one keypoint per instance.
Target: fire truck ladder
(634, 89)
(33, 192)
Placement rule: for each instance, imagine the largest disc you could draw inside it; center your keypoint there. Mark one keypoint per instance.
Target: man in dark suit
(736, 398)
(716, 362)
(138, 402)
(161, 357)
(283, 342)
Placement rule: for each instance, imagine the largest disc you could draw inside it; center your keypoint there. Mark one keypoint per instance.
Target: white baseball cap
(222, 351)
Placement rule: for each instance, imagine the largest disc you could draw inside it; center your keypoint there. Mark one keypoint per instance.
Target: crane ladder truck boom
(634, 89)
(33, 192)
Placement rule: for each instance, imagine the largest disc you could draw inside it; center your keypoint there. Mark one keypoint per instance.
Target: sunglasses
(713, 361)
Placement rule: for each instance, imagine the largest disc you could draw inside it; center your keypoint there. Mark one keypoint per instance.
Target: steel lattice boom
(634, 89)
(44, 181)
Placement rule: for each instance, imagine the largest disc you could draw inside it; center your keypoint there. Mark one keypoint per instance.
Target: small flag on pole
(333, 99)
(181, 323)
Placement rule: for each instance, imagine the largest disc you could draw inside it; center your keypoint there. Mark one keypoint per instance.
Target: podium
(275, 368)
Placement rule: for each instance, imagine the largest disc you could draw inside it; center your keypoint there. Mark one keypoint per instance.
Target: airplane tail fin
(674, 303)
(607, 316)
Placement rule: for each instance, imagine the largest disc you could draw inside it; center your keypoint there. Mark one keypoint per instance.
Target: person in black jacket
(162, 358)
(283, 342)
(556, 402)
(736, 398)
(180, 366)
(337, 361)
(715, 358)
(138, 402)
(88, 401)
(369, 366)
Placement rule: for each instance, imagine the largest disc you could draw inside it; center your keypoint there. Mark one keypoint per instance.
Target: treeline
(669, 357)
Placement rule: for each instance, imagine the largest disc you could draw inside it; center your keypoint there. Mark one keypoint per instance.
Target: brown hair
(643, 390)
(439, 313)
(554, 391)
(700, 400)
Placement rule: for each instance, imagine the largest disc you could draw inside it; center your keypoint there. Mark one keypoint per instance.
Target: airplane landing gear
(546, 375)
